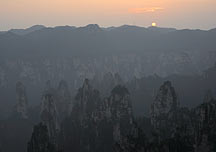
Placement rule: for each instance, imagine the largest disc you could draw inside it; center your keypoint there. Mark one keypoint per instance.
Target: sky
(181, 14)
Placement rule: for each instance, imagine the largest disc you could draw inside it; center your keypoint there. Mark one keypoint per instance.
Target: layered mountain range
(118, 89)
(38, 54)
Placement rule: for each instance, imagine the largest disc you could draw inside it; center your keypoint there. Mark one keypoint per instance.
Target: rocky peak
(165, 102)
(121, 110)
(93, 27)
(86, 86)
(22, 102)
(84, 92)
(120, 98)
(86, 101)
(49, 114)
(40, 140)
(118, 105)
(207, 111)
(206, 116)
(82, 124)
(98, 124)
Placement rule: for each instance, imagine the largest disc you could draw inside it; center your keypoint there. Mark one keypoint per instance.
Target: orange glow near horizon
(170, 13)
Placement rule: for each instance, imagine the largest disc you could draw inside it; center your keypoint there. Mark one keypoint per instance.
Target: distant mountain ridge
(149, 50)
(106, 40)
(152, 28)
(27, 30)
(96, 26)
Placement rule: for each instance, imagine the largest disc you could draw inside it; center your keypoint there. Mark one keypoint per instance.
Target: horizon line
(106, 27)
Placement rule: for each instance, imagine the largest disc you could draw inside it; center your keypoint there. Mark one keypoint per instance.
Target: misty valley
(116, 89)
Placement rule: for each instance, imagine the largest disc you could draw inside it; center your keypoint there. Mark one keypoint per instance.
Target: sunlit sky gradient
(166, 13)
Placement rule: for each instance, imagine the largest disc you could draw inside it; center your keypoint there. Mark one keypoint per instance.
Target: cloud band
(144, 10)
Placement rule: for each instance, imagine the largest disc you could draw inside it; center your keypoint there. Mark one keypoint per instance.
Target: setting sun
(154, 24)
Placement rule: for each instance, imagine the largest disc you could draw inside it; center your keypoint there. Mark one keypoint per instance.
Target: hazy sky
(166, 13)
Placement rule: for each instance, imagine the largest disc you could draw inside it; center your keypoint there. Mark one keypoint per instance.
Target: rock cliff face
(54, 109)
(176, 128)
(49, 115)
(79, 132)
(169, 120)
(121, 112)
(206, 125)
(86, 102)
(172, 127)
(164, 103)
(98, 123)
(35, 71)
(77, 68)
(22, 102)
(40, 141)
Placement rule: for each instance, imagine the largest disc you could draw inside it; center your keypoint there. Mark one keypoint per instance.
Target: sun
(154, 24)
